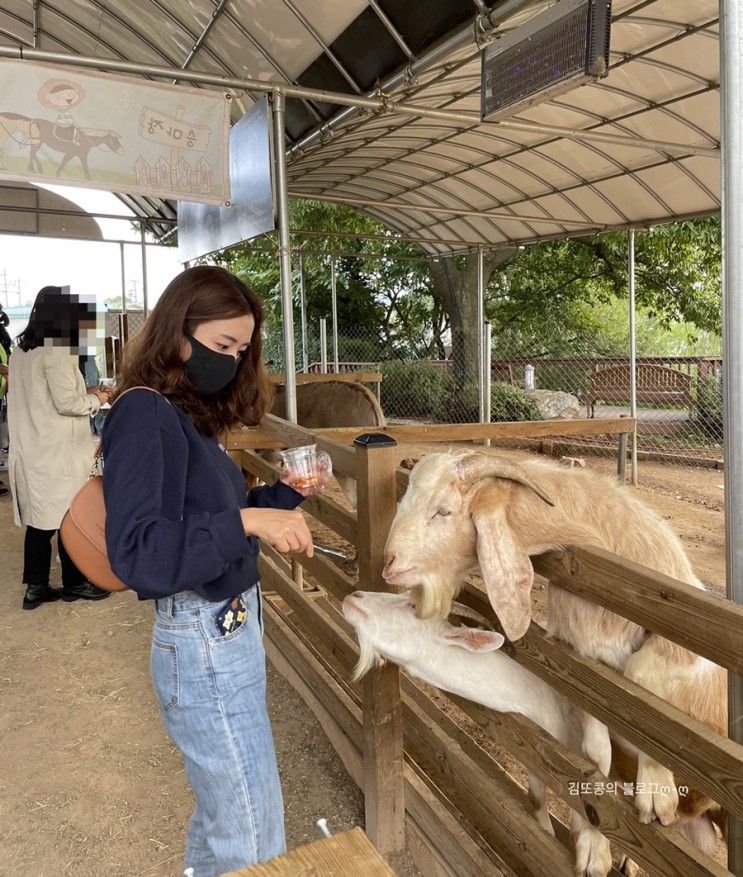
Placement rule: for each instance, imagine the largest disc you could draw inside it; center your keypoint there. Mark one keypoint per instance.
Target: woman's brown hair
(153, 357)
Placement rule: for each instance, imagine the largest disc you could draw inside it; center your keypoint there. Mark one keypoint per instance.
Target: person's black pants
(37, 559)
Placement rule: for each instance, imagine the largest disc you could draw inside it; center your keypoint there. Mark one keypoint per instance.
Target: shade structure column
(334, 311)
(143, 244)
(731, 106)
(480, 331)
(632, 347)
(285, 266)
(123, 277)
(303, 313)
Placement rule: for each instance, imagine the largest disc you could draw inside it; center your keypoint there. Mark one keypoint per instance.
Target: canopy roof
(636, 148)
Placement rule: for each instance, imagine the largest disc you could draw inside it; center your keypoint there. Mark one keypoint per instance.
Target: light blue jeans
(212, 694)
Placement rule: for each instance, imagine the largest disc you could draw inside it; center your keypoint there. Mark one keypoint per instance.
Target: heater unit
(555, 51)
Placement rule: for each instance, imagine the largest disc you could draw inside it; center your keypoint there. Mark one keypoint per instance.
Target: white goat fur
(450, 524)
(439, 653)
(466, 662)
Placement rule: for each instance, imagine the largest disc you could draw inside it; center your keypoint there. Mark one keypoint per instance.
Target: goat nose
(389, 560)
(358, 594)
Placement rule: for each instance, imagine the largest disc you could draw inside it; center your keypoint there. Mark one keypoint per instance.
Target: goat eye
(443, 513)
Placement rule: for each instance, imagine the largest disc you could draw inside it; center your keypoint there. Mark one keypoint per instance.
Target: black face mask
(208, 370)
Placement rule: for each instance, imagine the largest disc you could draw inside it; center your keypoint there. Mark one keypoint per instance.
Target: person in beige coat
(51, 445)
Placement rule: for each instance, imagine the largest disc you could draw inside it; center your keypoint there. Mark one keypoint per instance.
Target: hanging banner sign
(203, 229)
(113, 132)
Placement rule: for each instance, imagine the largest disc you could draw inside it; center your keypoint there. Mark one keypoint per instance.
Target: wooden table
(349, 853)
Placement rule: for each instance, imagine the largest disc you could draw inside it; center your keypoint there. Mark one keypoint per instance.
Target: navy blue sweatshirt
(173, 499)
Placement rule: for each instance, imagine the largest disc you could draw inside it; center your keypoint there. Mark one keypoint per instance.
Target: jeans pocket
(164, 667)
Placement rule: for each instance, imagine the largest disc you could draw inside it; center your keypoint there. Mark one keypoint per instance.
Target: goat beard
(433, 598)
(368, 655)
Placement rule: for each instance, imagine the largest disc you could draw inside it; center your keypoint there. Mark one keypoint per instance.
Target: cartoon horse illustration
(36, 133)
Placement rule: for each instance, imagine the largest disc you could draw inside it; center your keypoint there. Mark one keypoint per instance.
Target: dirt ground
(91, 785)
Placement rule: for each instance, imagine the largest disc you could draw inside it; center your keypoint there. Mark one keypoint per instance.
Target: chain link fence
(679, 398)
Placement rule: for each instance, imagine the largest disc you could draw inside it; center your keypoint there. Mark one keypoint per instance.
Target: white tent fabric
(451, 183)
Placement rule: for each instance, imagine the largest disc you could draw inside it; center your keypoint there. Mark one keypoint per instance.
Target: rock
(554, 403)
(573, 462)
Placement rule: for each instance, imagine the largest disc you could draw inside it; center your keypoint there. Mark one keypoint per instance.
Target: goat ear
(473, 639)
(506, 569)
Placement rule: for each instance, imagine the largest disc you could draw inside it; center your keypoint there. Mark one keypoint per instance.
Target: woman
(51, 446)
(181, 531)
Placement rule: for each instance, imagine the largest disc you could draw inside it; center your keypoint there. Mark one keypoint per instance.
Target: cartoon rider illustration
(62, 95)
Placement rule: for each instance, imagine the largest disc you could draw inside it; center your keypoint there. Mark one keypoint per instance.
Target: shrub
(709, 405)
(415, 389)
(509, 402)
(355, 349)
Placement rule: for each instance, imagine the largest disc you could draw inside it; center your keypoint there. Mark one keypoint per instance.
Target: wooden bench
(655, 383)
(499, 371)
(502, 372)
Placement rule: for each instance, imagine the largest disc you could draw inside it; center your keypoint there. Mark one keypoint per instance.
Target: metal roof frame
(522, 166)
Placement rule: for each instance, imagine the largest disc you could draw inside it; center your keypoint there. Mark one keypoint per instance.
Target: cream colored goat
(467, 512)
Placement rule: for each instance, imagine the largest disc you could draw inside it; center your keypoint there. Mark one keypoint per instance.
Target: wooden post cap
(375, 440)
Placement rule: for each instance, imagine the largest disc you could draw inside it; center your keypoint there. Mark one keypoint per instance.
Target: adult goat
(463, 513)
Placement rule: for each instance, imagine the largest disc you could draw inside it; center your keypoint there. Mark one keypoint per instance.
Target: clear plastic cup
(308, 468)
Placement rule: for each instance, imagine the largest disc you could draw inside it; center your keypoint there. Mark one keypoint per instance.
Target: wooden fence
(425, 778)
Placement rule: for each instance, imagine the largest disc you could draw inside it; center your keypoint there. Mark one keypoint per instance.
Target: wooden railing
(419, 764)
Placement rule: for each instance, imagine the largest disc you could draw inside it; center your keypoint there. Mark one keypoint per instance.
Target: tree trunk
(455, 289)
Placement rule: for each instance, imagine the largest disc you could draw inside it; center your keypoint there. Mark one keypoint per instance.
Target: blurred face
(230, 337)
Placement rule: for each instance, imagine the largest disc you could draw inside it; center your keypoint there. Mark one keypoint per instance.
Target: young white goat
(463, 513)
(465, 661)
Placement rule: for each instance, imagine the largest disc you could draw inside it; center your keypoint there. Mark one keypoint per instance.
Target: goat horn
(462, 611)
(475, 467)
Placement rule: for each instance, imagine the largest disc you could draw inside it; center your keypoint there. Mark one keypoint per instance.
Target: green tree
(382, 283)
(551, 298)
(455, 289)
(555, 289)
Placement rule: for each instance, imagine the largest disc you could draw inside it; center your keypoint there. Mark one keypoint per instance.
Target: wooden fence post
(384, 799)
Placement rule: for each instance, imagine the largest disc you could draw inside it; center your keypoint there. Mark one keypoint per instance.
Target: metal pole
(632, 347)
(622, 456)
(323, 345)
(144, 267)
(479, 330)
(487, 356)
(123, 278)
(731, 105)
(287, 301)
(334, 307)
(35, 26)
(375, 104)
(303, 314)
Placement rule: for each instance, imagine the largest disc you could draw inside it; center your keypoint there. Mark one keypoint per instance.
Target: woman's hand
(285, 531)
(103, 395)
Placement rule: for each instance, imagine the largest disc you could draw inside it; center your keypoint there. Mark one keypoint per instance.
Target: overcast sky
(86, 266)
